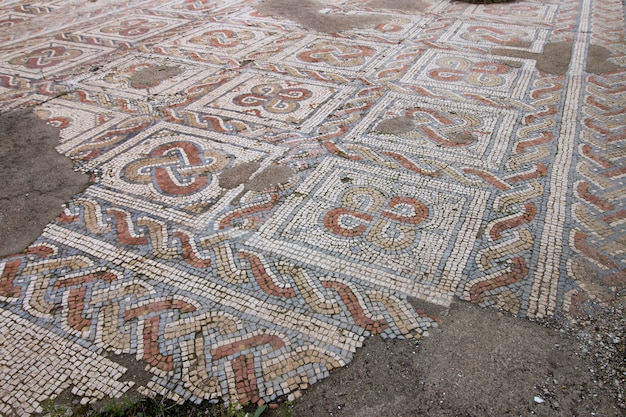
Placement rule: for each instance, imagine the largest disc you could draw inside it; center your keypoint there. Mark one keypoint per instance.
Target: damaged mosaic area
(268, 191)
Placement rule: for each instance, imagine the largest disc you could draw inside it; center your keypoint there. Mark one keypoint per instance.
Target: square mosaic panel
(224, 39)
(391, 229)
(132, 28)
(281, 102)
(49, 58)
(173, 171)
(472, 73)
(532, 13)
(73, 118)
(395, 28)
(128, 76)
(331, 54)
(457, 133)
(473, 34)
(197, 6)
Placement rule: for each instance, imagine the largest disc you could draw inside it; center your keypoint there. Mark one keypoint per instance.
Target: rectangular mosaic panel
(471, 73)
(333, 55)
(281, 102)
(393, 229)
(458, 133)
(173, 171)
(473, 34)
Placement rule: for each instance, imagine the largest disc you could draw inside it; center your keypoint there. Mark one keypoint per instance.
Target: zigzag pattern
(123, 104)
(609, 28)
(108, 140)
(144, 231)
(401, 63)
(199, 5)
(194, 119)
(302, 73)
(394, 160)
(263, 24)
(352, 111)
(30, 9)
(186, 54)
(565, 22)
(15, 82)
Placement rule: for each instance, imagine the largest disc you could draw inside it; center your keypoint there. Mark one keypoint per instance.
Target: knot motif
(176, 168)
(386, 222)
(46, 57)
(479, 74)
(133, 27)
(337, 54)
(273, 98)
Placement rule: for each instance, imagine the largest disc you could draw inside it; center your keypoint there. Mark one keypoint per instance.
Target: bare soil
(35, 180)
(478, 363)
(152, 76)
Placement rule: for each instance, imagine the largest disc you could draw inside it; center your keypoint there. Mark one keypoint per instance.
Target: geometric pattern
(459, 134)
(180, 167)
(277, 102)
(135, 27)
(538, 15)
(324, 53)
(225, 39)
(51, 57)
(469, 34)
(397, 231)
(475, 73)
(265, 197)
(123, 76)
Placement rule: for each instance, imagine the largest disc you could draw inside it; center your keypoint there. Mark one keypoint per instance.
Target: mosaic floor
(265, 196)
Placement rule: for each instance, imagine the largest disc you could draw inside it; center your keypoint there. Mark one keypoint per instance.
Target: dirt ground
(478, 363)
(35, 180)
